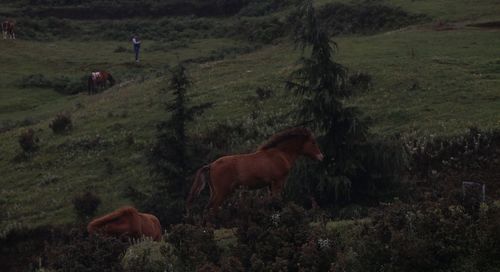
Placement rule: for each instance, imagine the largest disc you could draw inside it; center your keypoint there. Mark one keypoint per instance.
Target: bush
(28, 141)
(474, 149)
(149, 256)
(61, 84)
(193, 245)
(340, 18)
(360, 82)
(61, 123)
(21, 247)
(85, 205)
(35, 80)
(429, 237)
(86, 254)
(280, 239)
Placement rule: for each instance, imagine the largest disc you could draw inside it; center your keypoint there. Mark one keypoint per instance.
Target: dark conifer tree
(174, 156)
(320, 85)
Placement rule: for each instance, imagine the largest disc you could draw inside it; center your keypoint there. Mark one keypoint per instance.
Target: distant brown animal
(127, 222)
(267, 167)
(97, 80)
(8, 29)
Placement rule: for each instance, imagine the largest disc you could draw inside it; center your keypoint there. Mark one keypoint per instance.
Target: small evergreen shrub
(61, 123)
(28, 141)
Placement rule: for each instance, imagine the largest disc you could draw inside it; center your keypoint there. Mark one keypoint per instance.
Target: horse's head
(311, 149)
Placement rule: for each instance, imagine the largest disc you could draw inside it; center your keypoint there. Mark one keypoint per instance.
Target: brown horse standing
(268, 166)
(8, 29)
(128, 222)
(98, 80)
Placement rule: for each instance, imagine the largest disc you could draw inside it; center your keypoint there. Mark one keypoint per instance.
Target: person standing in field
(137, 46)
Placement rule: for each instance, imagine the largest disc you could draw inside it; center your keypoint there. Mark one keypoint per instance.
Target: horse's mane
(99, 222)
(283, 136)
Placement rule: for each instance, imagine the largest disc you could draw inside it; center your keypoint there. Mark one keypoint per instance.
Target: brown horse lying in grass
(267, 167)
(127, 222)
(98, 80)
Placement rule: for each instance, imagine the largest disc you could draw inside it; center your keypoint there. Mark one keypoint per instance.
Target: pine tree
(174, 155)
(320, 86)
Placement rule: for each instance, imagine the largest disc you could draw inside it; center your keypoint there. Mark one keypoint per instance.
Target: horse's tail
(200, 180)
(101, 221)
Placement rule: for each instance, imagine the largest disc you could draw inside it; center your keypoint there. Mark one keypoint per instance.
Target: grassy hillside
(425, 81)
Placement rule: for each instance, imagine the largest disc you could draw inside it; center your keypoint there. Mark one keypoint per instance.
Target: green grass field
(425, 82)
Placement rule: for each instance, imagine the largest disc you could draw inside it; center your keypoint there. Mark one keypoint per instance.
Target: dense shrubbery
(62, 84)
(334, 18)
(127, 9)
(340, 18)
(147, 255)
(85, 206)
(473, 150)
(28, 141)
(193, 246)
(430, 237)
(81, 253)
(61, 123)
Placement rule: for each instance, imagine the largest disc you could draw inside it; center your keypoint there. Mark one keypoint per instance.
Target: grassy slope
(455, 74)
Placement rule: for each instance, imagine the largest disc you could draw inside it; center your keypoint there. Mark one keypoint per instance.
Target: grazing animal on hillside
(127, 222)
(267, 167)
(98, 80)
(8, 29)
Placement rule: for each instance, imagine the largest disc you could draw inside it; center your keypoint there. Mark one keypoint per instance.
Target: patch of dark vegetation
(61, 84)
(92, 10)
(429, 236)
(89, 143)
(223, 53)
(258, 29)
(193, 246)
(74, 253)
(364, 18)
(261, 27)
(21, 249)
(28, 141)
(61, 123)
(6, 125)
(85, 206)
(473, 150)
(360, 82)
(491, 25)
